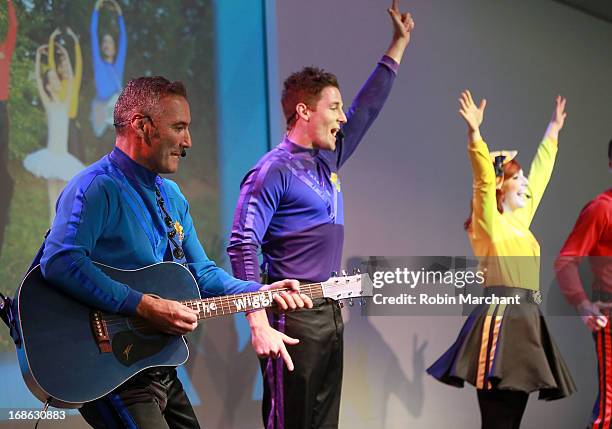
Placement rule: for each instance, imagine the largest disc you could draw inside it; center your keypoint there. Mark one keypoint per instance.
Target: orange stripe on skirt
(485, 358)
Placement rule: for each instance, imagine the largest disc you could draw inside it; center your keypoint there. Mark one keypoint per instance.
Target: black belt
(526, 295)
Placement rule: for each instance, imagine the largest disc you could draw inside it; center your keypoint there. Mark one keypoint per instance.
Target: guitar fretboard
(230, 304)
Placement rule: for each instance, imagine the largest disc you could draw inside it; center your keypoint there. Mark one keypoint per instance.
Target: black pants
(153, 399)
(501, 409)
(6, 181)
(311, 392)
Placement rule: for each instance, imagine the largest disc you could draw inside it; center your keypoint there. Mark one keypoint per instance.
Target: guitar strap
(7, 305)
(7, 314)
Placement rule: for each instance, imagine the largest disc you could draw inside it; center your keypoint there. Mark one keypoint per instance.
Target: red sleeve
(580, 243)
(11, 35)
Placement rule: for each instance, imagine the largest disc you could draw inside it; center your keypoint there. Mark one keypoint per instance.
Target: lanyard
(174, 228)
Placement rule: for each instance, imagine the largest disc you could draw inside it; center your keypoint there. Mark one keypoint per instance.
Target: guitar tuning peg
(344, 273)
(362, 302)
(334, 274)
(356, 271)
(350, 301)
(341, 304)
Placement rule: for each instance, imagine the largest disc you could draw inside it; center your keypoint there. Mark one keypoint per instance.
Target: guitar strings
(226, 302)
(223, 305)
(226, 308)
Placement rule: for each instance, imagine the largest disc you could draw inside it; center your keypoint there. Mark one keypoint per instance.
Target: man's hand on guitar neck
(289, 300)
(267, 341)
(168, 316)
(172, 317)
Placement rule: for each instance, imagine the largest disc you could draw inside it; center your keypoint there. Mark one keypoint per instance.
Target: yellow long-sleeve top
(508, 251)
(76, 80)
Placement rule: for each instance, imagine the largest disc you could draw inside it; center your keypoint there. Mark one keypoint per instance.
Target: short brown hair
(142, 95)
(304, 86)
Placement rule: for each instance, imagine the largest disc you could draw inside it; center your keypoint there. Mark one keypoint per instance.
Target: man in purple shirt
(290, 205)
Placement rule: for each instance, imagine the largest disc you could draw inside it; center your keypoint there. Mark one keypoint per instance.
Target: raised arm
(122, 51)
(484, 202)
(78, 73)
(370, 100)
(542, 165)
(51, 57)
(70, 84)
(95, 42)
(39, 80)
(11, 34)
(402, 29)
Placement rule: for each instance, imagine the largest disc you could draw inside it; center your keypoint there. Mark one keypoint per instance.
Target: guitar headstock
(355, 286)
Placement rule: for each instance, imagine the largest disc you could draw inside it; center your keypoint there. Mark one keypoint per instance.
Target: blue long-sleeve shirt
(108, 213)
(108, 76)
(290, 203)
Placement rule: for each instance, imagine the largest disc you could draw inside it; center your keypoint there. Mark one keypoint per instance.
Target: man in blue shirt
(114, 213)
(290, 206)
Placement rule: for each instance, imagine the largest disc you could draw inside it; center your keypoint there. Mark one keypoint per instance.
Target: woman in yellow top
(68, 79)
(505, 350)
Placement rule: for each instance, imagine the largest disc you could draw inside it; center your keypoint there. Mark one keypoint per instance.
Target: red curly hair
(510, 169)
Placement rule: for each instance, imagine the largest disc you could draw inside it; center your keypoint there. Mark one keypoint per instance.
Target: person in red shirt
(7, 46)
(592, 237)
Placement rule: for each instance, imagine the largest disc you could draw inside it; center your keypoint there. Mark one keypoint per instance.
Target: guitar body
(60, 359)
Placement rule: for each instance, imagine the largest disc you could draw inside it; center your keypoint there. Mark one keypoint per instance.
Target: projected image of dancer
(505, 350)
(108, 65)
(7, 46)
(62, 70)
(54, 163)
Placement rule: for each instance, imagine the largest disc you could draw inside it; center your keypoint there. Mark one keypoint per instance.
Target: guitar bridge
(100, 332)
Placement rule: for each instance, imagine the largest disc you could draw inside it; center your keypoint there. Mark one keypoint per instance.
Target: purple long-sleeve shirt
(290, 203)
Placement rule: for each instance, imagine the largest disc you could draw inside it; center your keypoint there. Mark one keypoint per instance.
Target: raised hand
(470, 112)
(71, 33)
(116, 6)
(402, 29)
(558, 118)
(559, 114)
(403, 24)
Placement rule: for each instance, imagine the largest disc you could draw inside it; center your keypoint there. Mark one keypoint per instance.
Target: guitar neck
(230, 304)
